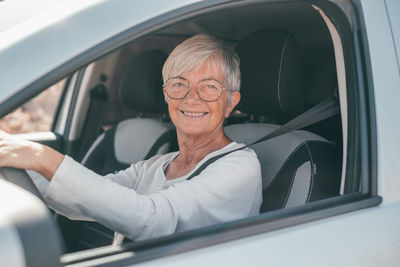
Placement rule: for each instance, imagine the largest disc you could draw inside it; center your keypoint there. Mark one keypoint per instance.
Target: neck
(194, 148)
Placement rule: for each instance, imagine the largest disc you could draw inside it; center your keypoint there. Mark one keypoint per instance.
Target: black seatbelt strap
(320, 112)
(98, 96)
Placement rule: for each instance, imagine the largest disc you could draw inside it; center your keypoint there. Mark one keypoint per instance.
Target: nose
(193, 95)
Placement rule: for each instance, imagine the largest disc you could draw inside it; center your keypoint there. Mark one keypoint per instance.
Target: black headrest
(141, 82)
(272, 77)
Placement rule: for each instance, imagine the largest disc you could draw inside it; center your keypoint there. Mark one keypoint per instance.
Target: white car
(84, 78)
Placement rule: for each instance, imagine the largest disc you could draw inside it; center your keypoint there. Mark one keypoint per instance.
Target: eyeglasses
(209, 90)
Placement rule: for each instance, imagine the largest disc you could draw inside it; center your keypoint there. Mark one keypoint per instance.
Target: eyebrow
(205, 79)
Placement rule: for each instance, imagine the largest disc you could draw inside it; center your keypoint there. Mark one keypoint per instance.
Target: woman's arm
(226, 190)
(23, 154)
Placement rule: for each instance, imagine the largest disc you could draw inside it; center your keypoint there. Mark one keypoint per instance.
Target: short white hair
(191, 53)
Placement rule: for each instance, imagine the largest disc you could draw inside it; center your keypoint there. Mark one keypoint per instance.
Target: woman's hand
(22, 154)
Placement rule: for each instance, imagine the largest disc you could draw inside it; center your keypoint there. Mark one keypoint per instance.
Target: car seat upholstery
(135, 139)
(297, 167)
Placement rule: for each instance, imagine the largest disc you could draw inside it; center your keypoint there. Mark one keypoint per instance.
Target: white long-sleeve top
(140, 203)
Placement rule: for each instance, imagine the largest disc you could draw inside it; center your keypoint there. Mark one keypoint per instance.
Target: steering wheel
(21, 178)
(68, 228)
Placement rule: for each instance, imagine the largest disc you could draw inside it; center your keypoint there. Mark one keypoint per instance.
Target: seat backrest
(297, 167)
(135, 139)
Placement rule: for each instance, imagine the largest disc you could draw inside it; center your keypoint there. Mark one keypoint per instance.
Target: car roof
(35, 43)
(17, 11)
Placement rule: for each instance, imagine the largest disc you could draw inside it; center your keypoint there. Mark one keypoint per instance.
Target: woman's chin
(193, 132)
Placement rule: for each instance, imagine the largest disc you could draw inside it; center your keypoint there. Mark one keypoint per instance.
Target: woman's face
(194, 117)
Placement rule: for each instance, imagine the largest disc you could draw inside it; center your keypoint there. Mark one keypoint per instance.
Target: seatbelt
(98, 96)
(324, 110)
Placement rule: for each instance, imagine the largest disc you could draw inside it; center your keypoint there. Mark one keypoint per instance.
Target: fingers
(13, 151)
(4, 135)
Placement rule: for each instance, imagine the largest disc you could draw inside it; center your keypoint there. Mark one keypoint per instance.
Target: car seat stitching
(312, 174)
(290, 189)
(280, 70)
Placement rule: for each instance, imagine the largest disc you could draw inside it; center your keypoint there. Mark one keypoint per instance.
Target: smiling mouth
(194, 114)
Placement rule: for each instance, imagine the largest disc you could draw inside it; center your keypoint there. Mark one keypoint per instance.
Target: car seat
(298, 167)
(135, 139)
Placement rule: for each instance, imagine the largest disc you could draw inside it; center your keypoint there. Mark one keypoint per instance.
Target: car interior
(287, 65)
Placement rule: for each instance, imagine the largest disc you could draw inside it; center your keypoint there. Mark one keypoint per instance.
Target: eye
(178, 84)
(211, 86)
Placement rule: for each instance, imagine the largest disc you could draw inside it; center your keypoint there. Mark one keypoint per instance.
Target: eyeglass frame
(189, 88)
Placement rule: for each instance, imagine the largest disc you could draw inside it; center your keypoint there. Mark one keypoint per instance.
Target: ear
(165, 95)
(235, 98)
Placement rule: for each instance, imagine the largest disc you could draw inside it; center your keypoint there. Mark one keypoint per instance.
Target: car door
(331, 231)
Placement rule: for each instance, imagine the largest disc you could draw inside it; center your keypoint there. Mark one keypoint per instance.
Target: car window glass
(37, 114)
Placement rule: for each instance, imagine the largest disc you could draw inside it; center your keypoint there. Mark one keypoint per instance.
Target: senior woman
(152, 197)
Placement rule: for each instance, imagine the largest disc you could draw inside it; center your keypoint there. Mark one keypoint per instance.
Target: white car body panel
(363, 238)
(393, 7)
(386, 81)
(369, 237)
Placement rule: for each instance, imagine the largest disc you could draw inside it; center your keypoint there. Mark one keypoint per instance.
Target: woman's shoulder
(238, 150)
(233, 160)
(234, 154)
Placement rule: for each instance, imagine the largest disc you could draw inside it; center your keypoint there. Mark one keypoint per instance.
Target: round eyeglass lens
(177, 88)
(209, 90)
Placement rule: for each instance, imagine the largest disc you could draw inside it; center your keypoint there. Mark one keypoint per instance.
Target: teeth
(194, 114)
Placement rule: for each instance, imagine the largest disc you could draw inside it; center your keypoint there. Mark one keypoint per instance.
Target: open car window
(36, 115)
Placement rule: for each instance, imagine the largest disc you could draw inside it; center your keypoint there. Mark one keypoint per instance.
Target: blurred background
(35, 115)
